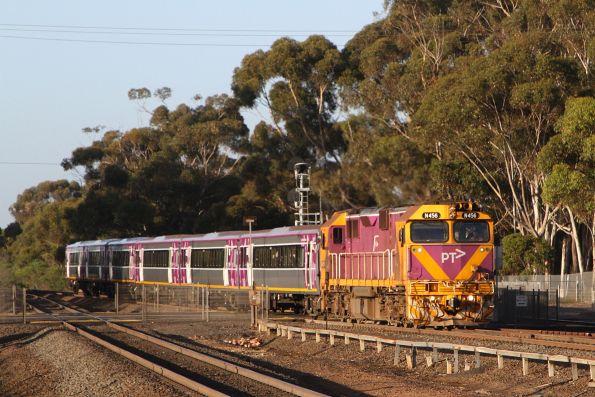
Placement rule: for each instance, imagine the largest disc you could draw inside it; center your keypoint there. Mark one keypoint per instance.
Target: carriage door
(230, 270)
(178, 263)
(236, 271)
(186, 257)
(83, 263)
(135, 262)
(104, 263)
(245, 263)
(311, 264)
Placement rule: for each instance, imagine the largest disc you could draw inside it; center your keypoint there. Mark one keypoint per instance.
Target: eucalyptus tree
(296, 82)
(478, 85)
(569, 162)
(172, 176)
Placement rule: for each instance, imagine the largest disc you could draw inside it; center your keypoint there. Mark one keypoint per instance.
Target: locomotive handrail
(377, 261)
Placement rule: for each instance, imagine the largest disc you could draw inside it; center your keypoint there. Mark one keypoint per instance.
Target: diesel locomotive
(428, 264)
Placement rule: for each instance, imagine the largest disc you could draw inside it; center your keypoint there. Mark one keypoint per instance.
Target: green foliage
(40, 275)
(33, 199)
(569, 159)
(12, 231)
(298, 82)
(525, 255)
(437, 100)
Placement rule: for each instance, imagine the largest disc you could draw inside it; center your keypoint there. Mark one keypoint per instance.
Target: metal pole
(268, 303)
(24, 305)
(144, 302)
(14, 299)
(557, 303)
(202, 303)
(207, 292)
(252, 319)
(547, 305)
(117, 298)
(538, 303)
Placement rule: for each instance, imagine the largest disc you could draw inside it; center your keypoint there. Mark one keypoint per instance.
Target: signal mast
(300, 196)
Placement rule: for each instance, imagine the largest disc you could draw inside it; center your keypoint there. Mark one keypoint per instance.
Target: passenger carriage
(283, 260)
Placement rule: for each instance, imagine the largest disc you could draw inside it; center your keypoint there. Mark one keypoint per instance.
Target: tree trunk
(576, 244)
(593, 260)
(563, 266)
(574, 263)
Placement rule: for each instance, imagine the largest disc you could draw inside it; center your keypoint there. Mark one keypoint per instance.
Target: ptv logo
(452, 255)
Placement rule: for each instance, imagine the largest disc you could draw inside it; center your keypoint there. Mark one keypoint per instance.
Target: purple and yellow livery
(428, 264)
(425, 264)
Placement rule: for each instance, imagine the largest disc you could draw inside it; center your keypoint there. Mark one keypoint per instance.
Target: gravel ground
(343, 370)
(208, 375)
(60, 363)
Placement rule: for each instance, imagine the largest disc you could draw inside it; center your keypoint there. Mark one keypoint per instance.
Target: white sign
(522, 301)
(452, 255)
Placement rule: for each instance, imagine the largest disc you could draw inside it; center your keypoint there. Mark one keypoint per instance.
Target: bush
(525, 255)
(40, 275)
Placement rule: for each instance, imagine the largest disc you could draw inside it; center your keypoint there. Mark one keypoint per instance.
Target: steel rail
(549, 359)
(573, 344)
(154, 367)
(222, 364)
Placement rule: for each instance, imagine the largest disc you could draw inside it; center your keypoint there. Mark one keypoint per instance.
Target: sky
(67, 65)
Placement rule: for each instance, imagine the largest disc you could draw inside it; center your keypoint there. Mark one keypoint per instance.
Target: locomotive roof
(376, 211)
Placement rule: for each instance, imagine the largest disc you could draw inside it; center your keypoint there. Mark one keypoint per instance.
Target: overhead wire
(140, 33)
(27, 163)
(134, 42)
(178, 29)
(49, 30)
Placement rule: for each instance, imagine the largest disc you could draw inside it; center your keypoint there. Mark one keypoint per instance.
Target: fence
(165, 299)
(517, 305)
(571, 287)
(11, 300)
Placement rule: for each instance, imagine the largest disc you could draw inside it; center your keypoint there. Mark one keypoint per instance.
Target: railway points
(217, 377)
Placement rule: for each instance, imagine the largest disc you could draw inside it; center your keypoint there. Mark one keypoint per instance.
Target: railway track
(571, 342)
(196, 371)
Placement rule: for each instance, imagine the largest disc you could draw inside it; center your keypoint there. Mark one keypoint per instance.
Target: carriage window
(121, 258)
(286, 256)
(472, 232)
(94, 258)
(338, 235)
(207, 258)
(429, 232)
(74, 258)
(156, 258)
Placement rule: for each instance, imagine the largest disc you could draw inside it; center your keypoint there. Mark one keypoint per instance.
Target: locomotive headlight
(432, 298)
(482, 249)
(419, 250)
(470, 298)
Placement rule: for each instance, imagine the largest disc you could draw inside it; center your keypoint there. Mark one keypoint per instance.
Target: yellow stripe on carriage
(218, 286)
(429, 263)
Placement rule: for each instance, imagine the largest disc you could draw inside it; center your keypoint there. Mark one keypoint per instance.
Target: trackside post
(117, 299)
(24, 305)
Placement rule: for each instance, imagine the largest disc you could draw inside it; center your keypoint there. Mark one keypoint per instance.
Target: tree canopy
(490, 100)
